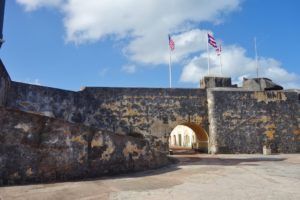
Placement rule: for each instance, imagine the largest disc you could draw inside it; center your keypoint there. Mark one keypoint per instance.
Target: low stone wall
(243, 121)
(35, 148)
(4, 84)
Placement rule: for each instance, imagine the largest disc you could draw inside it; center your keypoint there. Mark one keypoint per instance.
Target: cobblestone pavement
(197, 176)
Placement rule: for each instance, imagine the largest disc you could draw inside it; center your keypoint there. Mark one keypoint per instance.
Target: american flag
(211, 40)
(171, 43)
(219, 50)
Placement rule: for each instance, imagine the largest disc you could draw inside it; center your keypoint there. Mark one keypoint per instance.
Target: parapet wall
(146, 111)
(244, 121)
(126, 111)
(35, 148)
(51, 102)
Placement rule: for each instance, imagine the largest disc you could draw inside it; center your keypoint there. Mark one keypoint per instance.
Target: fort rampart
(50, 134)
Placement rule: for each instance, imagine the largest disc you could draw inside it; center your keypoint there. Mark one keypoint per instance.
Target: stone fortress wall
(51, 134)
(126, 111)
(243, 121)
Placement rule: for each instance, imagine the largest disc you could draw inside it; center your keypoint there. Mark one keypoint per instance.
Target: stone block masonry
(35, 148)
(49, 134)
(244, 121)
(126, 111)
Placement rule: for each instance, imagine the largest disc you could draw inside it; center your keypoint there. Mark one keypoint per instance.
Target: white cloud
(144, 24)
(190, 42)
(237, 65)
(34, 4)
(130, 69)
(94, 19)
(147, 50)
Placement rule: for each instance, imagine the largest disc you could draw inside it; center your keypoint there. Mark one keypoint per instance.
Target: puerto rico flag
(211, 40)
(171, 43)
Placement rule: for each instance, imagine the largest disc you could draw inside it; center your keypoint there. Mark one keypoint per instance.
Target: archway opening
(188, 138)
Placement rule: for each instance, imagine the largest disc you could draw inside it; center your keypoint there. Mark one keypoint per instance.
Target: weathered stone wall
(127, 111)
(243, 121)
(142, 112)
(4, 84)
(145, 111)
(42, 100)
(49, 134)
(35, 148)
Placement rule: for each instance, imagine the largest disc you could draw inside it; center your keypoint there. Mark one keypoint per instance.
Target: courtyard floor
(196, 176)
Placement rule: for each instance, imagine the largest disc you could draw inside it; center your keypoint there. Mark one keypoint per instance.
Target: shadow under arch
(201, 134)
(200, 144)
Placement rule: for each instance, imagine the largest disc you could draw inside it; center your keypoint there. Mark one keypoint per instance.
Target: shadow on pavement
(182, 160)
(198, 160)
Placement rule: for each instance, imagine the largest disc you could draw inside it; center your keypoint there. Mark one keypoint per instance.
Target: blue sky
(71, 43)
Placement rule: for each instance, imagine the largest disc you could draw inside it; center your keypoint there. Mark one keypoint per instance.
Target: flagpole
(170, 69)
(207, 47)
(256, 57)
(221, 65)
(220, 59)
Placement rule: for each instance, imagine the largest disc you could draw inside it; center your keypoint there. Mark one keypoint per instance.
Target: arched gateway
(189, 136)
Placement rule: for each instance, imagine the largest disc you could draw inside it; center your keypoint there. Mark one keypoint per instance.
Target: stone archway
(189, 136)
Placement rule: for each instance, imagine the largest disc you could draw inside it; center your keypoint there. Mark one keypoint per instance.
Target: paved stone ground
(195, 177)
